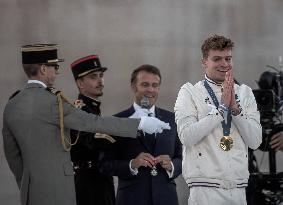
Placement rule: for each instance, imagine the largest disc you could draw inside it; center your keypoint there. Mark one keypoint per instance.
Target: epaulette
(104, 136)
(14, 94)
(79, 103)
(53, 90)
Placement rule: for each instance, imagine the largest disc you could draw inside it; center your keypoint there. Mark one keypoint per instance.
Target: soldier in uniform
(92, 186)
(34, 122)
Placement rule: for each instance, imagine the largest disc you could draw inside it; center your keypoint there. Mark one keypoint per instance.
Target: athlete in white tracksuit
(215, 175)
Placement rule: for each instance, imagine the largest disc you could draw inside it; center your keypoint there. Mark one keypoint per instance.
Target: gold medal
(153, 171)
(226, 143)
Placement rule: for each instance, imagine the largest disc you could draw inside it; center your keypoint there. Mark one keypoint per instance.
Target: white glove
(152, 125)
(139, 113)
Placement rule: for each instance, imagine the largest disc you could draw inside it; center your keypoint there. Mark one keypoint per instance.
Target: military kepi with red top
(40, 54)
(86, 65)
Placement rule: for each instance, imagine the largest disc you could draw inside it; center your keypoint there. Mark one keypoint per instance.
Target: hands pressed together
(147, 160)
(228, 93)
(229, 101)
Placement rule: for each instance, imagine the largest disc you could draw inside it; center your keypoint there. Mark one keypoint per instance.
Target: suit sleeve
(118, 166)
(13, 153)
(114, 166)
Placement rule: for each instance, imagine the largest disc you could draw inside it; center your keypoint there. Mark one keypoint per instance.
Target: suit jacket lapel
(144, 141)
(155, 137)
(142, 138)
(158, 115)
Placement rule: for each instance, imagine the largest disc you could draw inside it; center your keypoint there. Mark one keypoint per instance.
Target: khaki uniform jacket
(32, 144)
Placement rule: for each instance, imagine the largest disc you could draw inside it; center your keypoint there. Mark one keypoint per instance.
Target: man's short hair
(147, 68)
(216, 42)
(31, 69)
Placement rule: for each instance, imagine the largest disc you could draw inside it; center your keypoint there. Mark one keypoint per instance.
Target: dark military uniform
(92, 186)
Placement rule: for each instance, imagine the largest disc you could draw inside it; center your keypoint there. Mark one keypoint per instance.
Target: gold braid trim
(66, 141)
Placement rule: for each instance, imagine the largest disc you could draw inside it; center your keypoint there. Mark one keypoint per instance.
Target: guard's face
(50, 74)
(92, 84)
(217, 64)
(147, 84)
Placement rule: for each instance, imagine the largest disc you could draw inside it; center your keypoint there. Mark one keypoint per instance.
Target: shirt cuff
(133, 171)
(170, 173)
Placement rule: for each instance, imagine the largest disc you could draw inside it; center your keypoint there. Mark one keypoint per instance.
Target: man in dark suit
(92, 186)
(146, 167)
(34, 122)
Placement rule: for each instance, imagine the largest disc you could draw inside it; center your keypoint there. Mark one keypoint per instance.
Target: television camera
(269, 98)
(267, 188)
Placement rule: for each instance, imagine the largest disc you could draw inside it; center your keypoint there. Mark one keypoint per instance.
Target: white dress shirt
(38, 82)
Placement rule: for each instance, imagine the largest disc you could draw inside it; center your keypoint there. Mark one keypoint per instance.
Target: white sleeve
(190, 128)
(171, 173)
(133, 171)
(248, 122)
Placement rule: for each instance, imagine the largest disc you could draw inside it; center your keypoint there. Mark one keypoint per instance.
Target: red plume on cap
(86, 65)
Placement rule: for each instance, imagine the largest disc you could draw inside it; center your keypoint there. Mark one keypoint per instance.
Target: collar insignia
(79, 104)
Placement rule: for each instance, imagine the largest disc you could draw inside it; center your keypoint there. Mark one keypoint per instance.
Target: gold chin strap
(66, 141)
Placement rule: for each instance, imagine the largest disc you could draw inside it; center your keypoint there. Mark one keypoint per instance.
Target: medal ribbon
(225, 126)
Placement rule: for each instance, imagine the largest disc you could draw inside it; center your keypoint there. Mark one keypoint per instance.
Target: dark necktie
(150, 140)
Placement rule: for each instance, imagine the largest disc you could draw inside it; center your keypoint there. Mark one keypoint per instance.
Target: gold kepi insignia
(226, 143)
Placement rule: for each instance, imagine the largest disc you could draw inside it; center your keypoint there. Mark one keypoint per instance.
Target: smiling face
(217, 64)
(146, 84)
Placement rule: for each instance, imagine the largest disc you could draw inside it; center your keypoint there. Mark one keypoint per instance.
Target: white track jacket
(200, 130)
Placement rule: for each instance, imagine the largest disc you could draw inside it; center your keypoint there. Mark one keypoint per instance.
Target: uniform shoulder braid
(65, 140)
(53, 90)
(59, 94)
